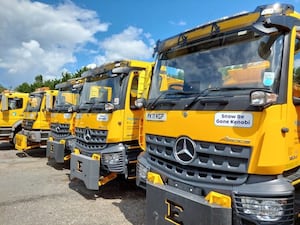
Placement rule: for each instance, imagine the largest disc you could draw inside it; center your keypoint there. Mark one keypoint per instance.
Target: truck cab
(107, 123)
(224, 149)
(36, 122)
(62, 128)
(11, 115)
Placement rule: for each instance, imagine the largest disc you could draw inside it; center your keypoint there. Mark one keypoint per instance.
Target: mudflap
(167, 205)
(55, 150)
(86, 169)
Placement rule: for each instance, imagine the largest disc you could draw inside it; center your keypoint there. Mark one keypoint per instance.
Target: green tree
(40, 82)
(297, 75)
(66, 76)
(2, 88)
(24, 87)
(79, 72)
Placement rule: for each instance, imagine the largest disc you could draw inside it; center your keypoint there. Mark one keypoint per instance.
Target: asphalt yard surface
(34, 191)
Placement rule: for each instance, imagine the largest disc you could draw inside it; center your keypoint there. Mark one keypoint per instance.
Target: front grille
(214, 163)
(60, 131)
(27, 124)
(90, 141)
(244, 211)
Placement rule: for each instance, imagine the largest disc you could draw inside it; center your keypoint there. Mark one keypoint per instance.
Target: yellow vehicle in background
(36, 122)
(107, 122)
(226, 148)
(11, 114)
(62, 128)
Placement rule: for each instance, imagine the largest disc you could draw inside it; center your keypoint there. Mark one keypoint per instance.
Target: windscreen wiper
(88, 108)
(207, 91)
(166, 93)
(202, 94)
(98, 105)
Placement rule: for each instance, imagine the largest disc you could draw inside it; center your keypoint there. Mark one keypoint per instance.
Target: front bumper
(56, 150)
(99, 168)
(167, 205)
(264, 200)
(85, 168)
(31, 139)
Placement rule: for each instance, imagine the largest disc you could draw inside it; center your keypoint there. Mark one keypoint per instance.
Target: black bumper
(167, 205)
(55, 150)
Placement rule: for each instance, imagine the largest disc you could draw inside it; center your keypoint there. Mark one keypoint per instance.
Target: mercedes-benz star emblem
(87, 135)
(184, 150)
(57, 129)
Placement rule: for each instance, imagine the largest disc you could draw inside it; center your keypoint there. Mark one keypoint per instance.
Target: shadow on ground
(133, 199)
(58, 166)
(35, 153)
(4, 146)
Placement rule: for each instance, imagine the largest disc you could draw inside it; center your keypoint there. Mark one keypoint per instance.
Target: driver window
(15, 103)
(12, 104)
(296, 68)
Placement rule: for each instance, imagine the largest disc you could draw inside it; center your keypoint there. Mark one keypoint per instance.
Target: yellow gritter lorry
(11, 115)
(62, 128)
(225, 147)
(107, 122)
(36, 122)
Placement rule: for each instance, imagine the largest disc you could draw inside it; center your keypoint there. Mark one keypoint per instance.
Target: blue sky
(49, 37)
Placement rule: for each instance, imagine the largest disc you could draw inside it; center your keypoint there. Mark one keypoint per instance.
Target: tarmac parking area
(34, 191)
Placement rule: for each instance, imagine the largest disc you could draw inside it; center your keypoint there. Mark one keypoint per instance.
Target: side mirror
(264, 48)
(49, 102)
(75, 108)
(4, 102)
(140, 103)
(296, 101)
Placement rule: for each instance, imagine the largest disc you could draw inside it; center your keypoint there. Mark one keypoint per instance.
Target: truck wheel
(13, 141)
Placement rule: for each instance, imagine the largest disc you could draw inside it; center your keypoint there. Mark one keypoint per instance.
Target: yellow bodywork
(261, 135)
(12, 106)
(40, 119)
(21, 142)
(273, 151)
(188, 145)
(219, 199)
(67, 98)
(154, 178)
(122, 124)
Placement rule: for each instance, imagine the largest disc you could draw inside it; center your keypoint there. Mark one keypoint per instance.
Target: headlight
(109, 106)
(112, 158)
(33, 136)
(142, 171)
(262, 98)
(263, 209)
(71, 143)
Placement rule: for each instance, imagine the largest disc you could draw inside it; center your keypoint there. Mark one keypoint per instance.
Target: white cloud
(131, 43)
(179, 23)
(91, 66)
(37, 38)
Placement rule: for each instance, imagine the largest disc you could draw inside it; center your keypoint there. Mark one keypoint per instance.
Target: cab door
(132, 113)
